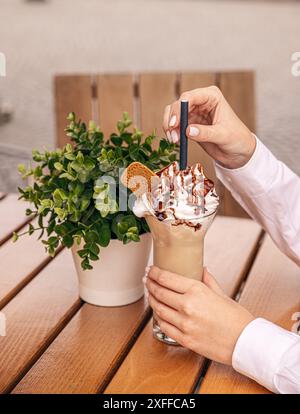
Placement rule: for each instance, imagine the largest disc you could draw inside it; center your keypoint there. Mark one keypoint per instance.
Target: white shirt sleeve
(270, 355)
(270, 192)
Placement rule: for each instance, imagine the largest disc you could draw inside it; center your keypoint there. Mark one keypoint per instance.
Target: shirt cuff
(259, 351)
(255, 177)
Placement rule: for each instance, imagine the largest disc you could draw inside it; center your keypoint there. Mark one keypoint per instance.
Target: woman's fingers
(204, 98)
(171, 331)
(166, 122)
(177, 283)
(203, 133)
(172, 135)
(164, 295)
(166, 313)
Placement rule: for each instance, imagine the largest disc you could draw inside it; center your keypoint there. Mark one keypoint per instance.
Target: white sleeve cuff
(255, 177)
(260, 349)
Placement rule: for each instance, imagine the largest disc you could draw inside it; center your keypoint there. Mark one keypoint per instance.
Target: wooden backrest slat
(156, 90)
(115, 96)
(239, 90)
(73, 93)
(167, 369)
(35, 316)
(272, 291)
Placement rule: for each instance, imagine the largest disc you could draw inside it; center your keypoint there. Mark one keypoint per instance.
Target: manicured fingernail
(194, 132)
(172, 121)
(147, 268)
(174, 136)
(146, 294)
(144, 279)
(169, 136)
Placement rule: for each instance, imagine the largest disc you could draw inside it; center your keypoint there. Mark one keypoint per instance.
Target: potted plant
(76, 195)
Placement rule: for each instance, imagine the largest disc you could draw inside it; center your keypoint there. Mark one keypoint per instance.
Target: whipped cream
(179, 197)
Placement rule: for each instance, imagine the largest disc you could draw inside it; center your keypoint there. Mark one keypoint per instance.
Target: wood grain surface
(73, 93)
(156, 90)
(31, 258)
(272, 291)
(86, 354)
(35, 316)
(12, 216)
(115, 96)
(239, 90)
(153, 367)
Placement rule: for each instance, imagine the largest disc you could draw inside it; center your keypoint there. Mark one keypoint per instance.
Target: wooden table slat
(35, 316)
(31, 258)
(86, 354)
(153, 367)
(272, 291)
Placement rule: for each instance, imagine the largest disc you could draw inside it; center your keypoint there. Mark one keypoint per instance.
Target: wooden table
(55, 343)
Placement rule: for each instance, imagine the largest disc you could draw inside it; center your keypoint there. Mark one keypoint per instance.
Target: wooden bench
(57, 344)
(104, 98)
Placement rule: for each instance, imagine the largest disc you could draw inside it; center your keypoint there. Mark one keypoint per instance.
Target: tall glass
(177, 249)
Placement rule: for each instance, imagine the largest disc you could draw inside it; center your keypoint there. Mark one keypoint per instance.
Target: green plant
(71, 195)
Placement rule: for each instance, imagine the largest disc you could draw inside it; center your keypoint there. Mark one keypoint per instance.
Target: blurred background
(41, 38)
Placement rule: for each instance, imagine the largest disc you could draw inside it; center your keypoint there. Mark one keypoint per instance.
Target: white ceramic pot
(116, 278)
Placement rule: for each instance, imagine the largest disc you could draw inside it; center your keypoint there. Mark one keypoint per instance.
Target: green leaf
(69, 148)
(93, 248)
(122, 228)
(71, 116)
(62, 214)
(85, 264)
(58, 166)
(70, 156)
(88, 163)
(116, 140)
(67, 176)
(77, 166)
(82, 253)
(91, 236)
(80, 158)
(68, 240)
(104, 236)
(30, 229)
(15, 237)
(22, 169)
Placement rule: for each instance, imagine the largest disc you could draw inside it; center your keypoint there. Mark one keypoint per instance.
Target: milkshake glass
(178, 223)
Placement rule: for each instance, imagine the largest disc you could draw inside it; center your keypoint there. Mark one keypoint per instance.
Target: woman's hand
(214, 125)
(199, 316)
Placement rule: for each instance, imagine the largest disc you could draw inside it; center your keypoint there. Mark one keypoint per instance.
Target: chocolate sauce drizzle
(169, 187)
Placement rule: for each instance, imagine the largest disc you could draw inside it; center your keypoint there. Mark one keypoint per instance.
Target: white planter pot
(116, 278)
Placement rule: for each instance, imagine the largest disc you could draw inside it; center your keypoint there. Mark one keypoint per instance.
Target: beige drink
(178, 249)
(178, 210)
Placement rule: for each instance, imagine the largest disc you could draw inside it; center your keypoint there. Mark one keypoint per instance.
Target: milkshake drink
(178, 210)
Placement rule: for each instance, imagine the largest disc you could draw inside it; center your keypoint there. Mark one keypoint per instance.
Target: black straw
(184, 115)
